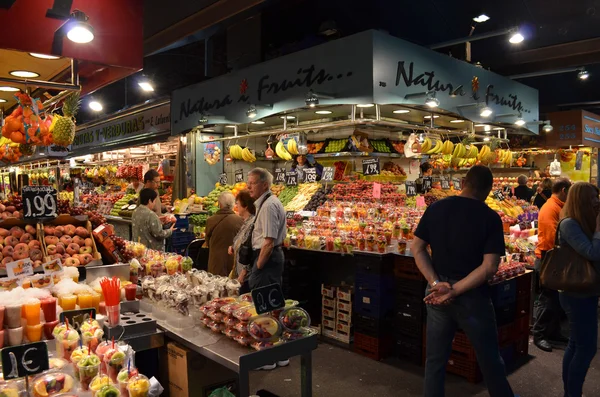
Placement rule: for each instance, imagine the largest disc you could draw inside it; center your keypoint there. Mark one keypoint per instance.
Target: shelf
(494, 169)
(357, 154)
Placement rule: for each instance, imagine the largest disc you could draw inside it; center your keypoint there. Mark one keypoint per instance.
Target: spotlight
(486, 112)
(481, 19)
(520, 122)
(8, 89)
(432, 101)
(516, 38)
(486, 139)
(401, 111)
(43, 56)
(323, 112)
(428, 117)
(258, 122)
(365, 105)
(547, 128)
(457, 121)
(26, 74)
(95, 106)
(251, 112)
(2, 100)
(78, 29)
(583, 74)
(311, 99)
(145, 84)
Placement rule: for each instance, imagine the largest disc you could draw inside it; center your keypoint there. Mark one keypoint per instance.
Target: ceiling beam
(558, 51)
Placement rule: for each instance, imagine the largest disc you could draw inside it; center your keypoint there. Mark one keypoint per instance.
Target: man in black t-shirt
(466, 241)
(523, 192)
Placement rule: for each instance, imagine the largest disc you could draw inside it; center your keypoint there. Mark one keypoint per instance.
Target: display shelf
(493, 169)
(357, 154)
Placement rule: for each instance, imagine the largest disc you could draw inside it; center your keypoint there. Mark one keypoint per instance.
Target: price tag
(77, 317)
(290, 214)
(239, 176)
(279, 175)
(20, 268)
(457, 183)
(291, 178)
(498, 195)
(507, 189)
(411, 188)
(328, 173)
(370, 166)
(445, 183)
(24, 360)
(377, 190)
(223, 179)
(427, 183)
(52, 266)
(39, 202)
(268, 298)
(310, 175)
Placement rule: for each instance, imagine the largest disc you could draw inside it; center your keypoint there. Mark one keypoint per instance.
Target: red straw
(90, 346)
(113, 340)
(67, 322)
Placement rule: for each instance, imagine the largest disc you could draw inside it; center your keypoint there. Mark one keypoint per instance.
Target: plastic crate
(373, 264)
(410, 307)
(182, 222)
(523, 306)
(505, 314)
(410, 349)
(372, 326)
(521, 327)
(524, 285)
(376, 304)
(372, 282)
(461, 365)
(411, 328)
(405, 267)
(374, 348)
(504, 293)
(411, 287)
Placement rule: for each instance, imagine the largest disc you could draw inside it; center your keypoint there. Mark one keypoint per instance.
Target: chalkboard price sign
(498, 195)
(328, 173)
(24, 360)
(223, 179)
(279, 175)
(507, 189)
(445, 183)
(291, 178)
(457, 183)
(427, 183)
(310, 175)
(370, 167)
(39, 202)
(239, 175)
(77, 317)
(411, 188)
(268, 298)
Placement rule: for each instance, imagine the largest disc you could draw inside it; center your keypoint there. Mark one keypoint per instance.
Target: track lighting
(252, 111)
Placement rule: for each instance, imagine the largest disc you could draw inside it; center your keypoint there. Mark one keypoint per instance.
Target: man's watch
(436, 282)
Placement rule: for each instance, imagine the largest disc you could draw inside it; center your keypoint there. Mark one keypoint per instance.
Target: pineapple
(26, 149)
(63, 127)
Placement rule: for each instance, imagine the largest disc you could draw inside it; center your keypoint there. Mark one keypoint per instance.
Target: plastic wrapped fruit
(217, 303)
(247, 297)
(9, 389)
(231, 333)
(289, 303)
(51, 384)
(294, 319)
(289, 336)
(230, 308)
(99, 382)
(243, 339)
(216, 315)
(241, 327)
(217, 327)
(245, 313)
(264, 328)
(138, 386)
(56, 363)
(230, 321)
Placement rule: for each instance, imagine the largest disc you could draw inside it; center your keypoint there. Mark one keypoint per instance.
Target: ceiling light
(583, 74)
(78, 29)
(432, 101)
(365, 105)
(516, 38)
(146, 85)
(547, 128)
(230, 126)
(487, 128)
(311, 99)
(486, 139)
(498, 128)
(208, 130)
(401, 111)
(481, 19)
(520, 122)
(486, 112)
(323, 112)
(428, 117)
(457, 121)
(24, 73)
(288, 117)
(8, 89)
(2, 100)
(251, 112)
(479, 125)
(95, 106)
(258, 122)
(43, 56)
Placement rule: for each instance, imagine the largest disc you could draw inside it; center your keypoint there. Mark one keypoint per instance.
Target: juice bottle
(86, 301)
(49, 308)
(68, 302)
(34, 332)
(32, 312)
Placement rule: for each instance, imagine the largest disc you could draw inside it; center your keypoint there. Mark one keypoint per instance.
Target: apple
(85, 250)
(10, 240)
(26, 238)
(66, 240)
(17, 214)
(10, 208)
(30, 229)
(16, 231)
(37, 263)
(72, 249)
(21, 251)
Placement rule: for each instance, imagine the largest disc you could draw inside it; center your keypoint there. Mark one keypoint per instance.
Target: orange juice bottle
(32, 312)
(34, 332)
(96, 297)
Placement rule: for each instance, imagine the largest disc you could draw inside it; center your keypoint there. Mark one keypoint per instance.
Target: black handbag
(246, 253)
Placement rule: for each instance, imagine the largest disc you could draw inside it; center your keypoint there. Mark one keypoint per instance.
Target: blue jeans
(474, 313)
(583, 340)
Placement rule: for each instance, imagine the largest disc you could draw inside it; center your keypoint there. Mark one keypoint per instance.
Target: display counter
(122, 226)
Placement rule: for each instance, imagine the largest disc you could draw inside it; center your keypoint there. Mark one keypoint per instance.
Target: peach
(35, 254)
(4, 215)
(10, 240)
(70, 230)
(34, 244)
(37, 263)
(1, 240)
(49, 230)
(30, 229)
(4, 232)
(10, 208)
(65, 257)
(8, 251)
(85, 250)
(79, 241)
(17, 214)
(89, 242)
(81, 232)
(72, 262)
(2, 207)
(6, 260)
(21, 251)
(72, 249)
(66, 239)
(60, 248)
(56, 256)
(59, 231)
(85, 259)
(16, 231)
(26, 238)
(51, 240)
(51, 249)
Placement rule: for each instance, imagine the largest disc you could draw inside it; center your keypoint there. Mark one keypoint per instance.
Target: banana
(448, 147)
(485, 150)
(435, 149)
(456, 150)
(459, 151)
(426, 145)
(292, 146)
(282, 152)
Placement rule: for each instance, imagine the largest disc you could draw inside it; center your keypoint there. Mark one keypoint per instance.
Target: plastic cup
(402, 247)
(114, 360)
(99, 382)
(69, 341)
(86, 374)
(130, 291)
(32, 313)
(96, 298)
(114, 315)
(49, 309)
(48, 328)
(86, 301)
(102, 348)
(12, 315)
(34, 332)
(68, 302)
(76, 356)
(2, 317)
(15, 336)
(138, 386)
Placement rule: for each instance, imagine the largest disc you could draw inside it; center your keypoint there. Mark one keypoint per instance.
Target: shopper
(547, 310)
(245, 209)
(152, 181)
(580, 229)
(523, 192)
(134, 185)
(544, 191)
(466, 241)
(302, 162)
(147, 228)
(221, 228)
(426, 169)
(267, 236)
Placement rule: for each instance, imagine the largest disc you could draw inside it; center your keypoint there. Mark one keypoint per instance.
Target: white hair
(226, 201)
(263, 175)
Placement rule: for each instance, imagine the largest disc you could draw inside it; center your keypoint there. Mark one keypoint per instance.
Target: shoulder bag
(563, 269)
(246, 253)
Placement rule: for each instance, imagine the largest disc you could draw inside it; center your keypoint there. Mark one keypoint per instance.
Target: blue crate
(375, 304)
(182, 222)
(504, 293)
(374, 282)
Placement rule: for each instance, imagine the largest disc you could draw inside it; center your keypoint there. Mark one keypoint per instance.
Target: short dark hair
(479, 178)
(560, 184)
(147, 195)
(546, 184)
(246, 201)
(150, 175)
(425, 167)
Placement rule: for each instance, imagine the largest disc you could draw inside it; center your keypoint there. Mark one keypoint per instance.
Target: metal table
(231, 355)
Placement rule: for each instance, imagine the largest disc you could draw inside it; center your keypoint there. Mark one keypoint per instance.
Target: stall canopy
(574, 128)
(369, 67)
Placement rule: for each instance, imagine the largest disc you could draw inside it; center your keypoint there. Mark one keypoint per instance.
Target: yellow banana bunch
(282, 152)
(459, 151)
(292, 146)
(426, 146)
(485, 150)
(235, 152)
(248, 156)
(436, 149)
(505, 157)
(473, 152)
(447, 147)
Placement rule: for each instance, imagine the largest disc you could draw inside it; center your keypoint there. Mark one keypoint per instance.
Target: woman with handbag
(221, 228)
(245, 209)
(580, 230)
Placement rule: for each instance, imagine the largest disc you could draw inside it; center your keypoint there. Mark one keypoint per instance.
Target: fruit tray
(131, 324)
(381, 146)
(383, 178)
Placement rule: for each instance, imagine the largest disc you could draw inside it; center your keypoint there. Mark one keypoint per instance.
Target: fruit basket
(77, 247)
(337, 145)
(381, 146)
(317, 146)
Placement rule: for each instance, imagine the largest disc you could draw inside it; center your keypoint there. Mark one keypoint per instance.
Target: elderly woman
(245, 209)
(146, 226)
(221, 228)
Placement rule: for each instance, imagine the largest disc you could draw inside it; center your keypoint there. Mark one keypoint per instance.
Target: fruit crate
(373, 282)
(406, 327)
(461, 365)
(504, 293)
(524, 285)
(180, 241)
(374, 348)
(410, 287)
(372, 326)
(374, 264)
(373, 303)
(405, 267)
(523, 306)
(410, 349)
(63, 220)
(182, 222)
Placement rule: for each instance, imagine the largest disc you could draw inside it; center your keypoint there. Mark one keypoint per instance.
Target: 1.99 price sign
(39, 202)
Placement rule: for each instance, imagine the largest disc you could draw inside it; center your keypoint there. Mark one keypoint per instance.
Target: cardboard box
(330, 303)
(328, 323)
(62, 220)
(328, 332)
(344, 316)
(344, 306)
(328, 291)
(328, 313)
(343, 336)
(102, 232)
(344, 295)
(343, 327)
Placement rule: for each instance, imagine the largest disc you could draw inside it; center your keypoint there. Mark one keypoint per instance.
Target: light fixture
(365, 105)
(498, 128)
(583, 74)
(401, 111)
(145, 84)
(432, 101)
(288, 117)
(428, 117)
(78, 29)
(258, 122)
(43, 56)
(252, 111)
(26, 74)
(481, 19)
(487, 128)
(479, 125)
(547, 128)
(457, 121)
(311, 99)
(516, 38)
(95, 106)
(8, 89)
(230, 126)
(520, 122)
(2, 100)
(486, 139)
(203, 119)
(486, 112)
(208, 130)
(323, 112)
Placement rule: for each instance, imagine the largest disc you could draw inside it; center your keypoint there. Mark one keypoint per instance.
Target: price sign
(427, 183)
(291, 178)
(445, 183)
(279, 175)
(370, 167)
(268, 298)
(507, 189)
(39, 202)
(411, 188)
(223, 179)
(239, 176)
(457, 183)
(290, 214)
(24, 360)
(20, 268)
(77, 317)
(498, 195)
(328, 173)
(310, 175)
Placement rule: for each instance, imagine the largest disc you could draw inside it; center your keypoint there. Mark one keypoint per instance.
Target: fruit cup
(57, 332)
(49, 309)
(69, 341)
(123, 379)
(102, 348)
(108, 391)
(34, 332)
(68, 302)
(87, 368)
(99, 382)
(32, 312)
(130, 291)
(86, 301)
(12, 315)
(402, 247)
(114, 359)
(76, 356)
(92, 337)
(138, 386)
(15, 336)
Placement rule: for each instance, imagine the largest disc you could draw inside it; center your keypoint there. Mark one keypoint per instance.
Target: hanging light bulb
(520, 122)
(583, 74)
(486, 112)
(547, 128)
(432, 101)
(516, 38)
